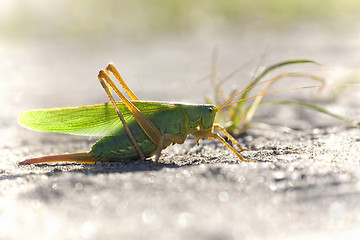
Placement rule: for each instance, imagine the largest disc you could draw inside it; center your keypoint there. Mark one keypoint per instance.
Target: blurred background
(95, 21)
(50, 55)
(51, 51)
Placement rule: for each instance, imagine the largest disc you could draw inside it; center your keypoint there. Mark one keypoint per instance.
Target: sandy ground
(305, 185)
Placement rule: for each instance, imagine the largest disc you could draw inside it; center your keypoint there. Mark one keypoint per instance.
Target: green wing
(88, 120)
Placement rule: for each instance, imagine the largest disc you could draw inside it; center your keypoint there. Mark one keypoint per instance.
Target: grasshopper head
(199, 117)
(208, 117)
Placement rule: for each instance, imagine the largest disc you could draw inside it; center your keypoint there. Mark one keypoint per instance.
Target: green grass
(236, 112)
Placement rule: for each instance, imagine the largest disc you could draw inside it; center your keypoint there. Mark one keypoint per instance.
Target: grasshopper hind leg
(102, 75)
(112, 68)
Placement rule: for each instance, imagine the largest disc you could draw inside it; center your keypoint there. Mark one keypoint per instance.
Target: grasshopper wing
(88, 120)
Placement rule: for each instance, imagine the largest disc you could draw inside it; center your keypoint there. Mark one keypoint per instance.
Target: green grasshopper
(145, 127)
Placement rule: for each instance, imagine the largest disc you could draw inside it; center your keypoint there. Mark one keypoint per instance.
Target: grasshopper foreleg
(206, 134)
(231, 138)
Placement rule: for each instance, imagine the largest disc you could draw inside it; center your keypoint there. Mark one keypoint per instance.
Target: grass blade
(275, 66)
(313, 107)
